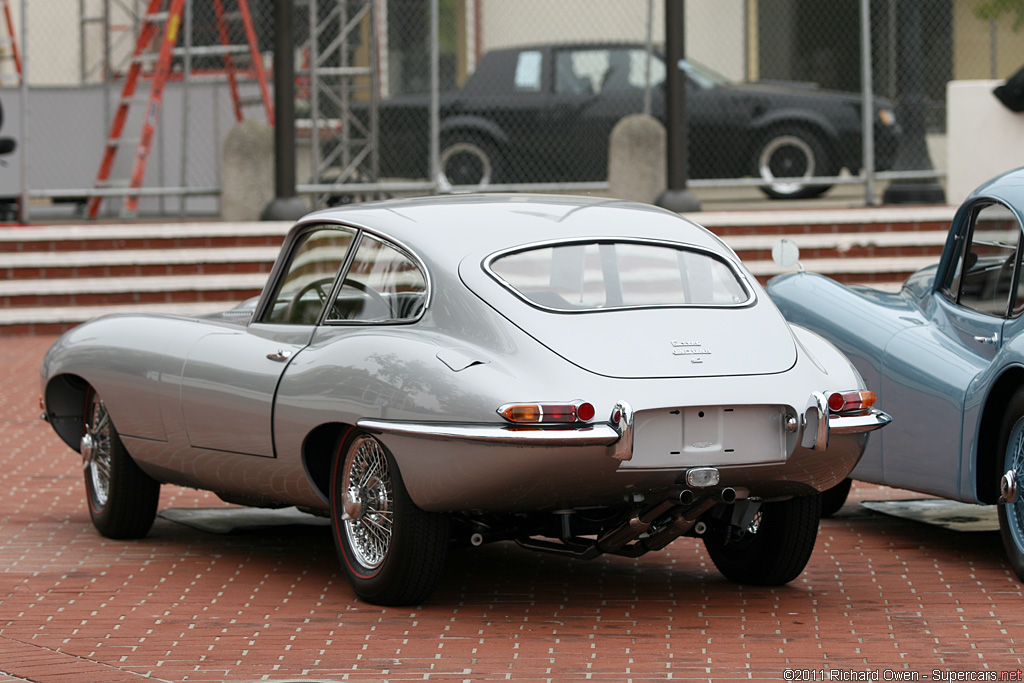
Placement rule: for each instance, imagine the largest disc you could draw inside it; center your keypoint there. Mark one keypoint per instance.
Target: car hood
(796, 91)
(651, 342)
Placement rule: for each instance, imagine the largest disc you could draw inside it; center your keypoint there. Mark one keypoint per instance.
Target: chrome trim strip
(624, 428)
(598, 434)
(819, 404)
(857, 424)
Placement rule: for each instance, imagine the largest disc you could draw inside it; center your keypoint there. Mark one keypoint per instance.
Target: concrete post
(636, 159)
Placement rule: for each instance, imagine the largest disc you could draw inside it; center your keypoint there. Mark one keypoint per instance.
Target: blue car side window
(985, 276)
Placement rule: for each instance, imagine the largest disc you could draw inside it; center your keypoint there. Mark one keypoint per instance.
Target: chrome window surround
(740, 277)
(340, 281)
(277, 273)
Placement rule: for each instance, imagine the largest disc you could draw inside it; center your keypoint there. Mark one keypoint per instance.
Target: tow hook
(1008, 488)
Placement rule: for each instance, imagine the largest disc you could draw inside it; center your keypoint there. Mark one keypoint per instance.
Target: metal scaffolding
(340, 68)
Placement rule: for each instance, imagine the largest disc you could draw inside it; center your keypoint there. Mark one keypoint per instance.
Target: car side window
(527, 76)
(315, 263)
(383, 284)
(984, 278)
(576, 71)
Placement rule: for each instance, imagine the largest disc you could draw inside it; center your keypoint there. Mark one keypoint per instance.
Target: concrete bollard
(247, 171)
(636, 159)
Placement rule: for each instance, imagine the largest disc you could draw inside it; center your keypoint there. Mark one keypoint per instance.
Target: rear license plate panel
(708, 435)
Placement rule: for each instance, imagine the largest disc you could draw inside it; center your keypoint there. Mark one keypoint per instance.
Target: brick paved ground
(183, 605)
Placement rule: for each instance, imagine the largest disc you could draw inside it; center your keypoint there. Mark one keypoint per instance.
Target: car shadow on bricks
(870, 539)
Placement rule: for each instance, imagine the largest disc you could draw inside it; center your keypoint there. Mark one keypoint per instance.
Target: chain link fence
(426, 96)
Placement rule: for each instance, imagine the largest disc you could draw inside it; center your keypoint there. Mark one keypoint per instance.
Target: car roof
(1008, 186)
(444, 229)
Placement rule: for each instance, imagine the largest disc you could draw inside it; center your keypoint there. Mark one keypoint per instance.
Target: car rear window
(599, 275)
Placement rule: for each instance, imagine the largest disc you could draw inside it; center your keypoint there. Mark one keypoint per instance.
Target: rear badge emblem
(689, 348)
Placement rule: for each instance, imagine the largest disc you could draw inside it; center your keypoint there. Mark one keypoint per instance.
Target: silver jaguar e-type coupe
(581, 376)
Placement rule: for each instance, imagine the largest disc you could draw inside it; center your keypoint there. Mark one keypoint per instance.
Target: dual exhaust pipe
(693, 507)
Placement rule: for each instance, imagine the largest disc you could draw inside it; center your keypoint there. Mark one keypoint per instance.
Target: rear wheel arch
(988, 458)
(318, 451)
(471, 126)
(65, 398)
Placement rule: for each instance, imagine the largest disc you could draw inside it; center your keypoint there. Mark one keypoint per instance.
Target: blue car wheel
(1011, 515)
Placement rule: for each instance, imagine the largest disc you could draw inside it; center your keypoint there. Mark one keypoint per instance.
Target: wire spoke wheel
(98, 431)
(391, 550)
(1011, 515)
(122, 498)
(369, 503)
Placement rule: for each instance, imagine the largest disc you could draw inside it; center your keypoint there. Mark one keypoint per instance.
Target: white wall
(715, 29)
(984, 137)
(52, 54)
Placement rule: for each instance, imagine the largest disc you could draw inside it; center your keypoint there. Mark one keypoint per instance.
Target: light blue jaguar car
(945, 355)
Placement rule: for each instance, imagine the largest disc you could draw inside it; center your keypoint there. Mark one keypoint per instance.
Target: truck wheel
(469, 162)
(774, 549)
(392, 551)
(787, 158)
(1011, 515)
(122, 498)
(833, 499)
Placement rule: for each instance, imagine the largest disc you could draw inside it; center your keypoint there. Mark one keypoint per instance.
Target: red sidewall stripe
(339, 532)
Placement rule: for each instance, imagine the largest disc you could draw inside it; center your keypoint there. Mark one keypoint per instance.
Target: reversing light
(543, 413)
(850, 401)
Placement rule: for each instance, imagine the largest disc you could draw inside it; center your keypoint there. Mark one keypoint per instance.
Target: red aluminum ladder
(162, 22)
(10, 39)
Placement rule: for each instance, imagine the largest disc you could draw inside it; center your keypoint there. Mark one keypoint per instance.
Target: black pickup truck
(544, 113)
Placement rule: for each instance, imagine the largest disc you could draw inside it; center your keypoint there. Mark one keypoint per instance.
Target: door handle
(994, 339)
(281, 356)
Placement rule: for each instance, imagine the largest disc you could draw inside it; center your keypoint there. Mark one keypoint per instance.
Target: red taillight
(850, 401)
(542, 413)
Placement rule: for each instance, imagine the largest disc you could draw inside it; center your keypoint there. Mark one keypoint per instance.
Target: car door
(230, 377)
(508, 108)
(930, 367)
(594, 89)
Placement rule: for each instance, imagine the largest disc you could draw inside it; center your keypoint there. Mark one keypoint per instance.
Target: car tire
(122, 498)
(391, 550)
(776, 550)
(468, 162)
(1011, 515)
(833, 499)
(794, 153)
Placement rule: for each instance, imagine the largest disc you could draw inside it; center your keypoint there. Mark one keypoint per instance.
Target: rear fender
(983, 415)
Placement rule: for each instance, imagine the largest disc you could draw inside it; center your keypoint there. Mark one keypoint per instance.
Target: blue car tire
(1011, 515)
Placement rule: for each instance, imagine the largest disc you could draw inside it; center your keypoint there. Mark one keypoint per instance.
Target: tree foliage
(993, 9)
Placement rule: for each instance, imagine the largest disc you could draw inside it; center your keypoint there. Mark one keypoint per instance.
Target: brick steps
(37, 265)
(54, 277)
(141, 236)
(129, 290)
